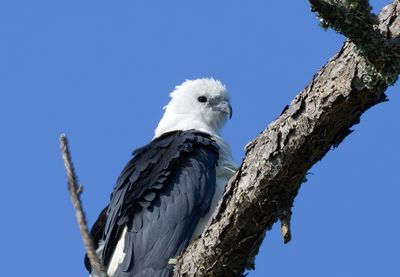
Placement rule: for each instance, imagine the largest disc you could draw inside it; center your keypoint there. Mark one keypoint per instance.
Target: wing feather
(160, 196)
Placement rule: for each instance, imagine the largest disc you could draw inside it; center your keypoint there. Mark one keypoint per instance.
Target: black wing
(160, 196)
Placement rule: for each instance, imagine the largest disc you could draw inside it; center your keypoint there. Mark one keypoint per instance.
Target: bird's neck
(183, 122)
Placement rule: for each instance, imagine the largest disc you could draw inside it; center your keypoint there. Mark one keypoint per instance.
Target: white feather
(118, 255)
(184, 112)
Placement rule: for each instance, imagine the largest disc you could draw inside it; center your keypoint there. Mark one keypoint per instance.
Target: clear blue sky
(101, 71)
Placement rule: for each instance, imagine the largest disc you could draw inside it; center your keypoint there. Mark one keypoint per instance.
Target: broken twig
(75, 193)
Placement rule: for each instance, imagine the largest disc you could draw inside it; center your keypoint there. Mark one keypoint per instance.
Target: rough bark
(277, 161)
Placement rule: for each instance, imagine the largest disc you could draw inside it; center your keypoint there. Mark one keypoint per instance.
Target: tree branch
(75, 193)
(353, 19)
(277, 161)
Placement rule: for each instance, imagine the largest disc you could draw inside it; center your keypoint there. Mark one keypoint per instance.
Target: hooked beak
(226, 108)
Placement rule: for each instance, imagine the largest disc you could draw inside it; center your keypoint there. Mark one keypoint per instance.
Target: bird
(168, 191)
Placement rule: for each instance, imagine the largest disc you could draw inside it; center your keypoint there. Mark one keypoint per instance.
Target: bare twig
(75, 192)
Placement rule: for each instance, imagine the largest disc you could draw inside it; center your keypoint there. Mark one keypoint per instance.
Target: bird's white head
(201, 104)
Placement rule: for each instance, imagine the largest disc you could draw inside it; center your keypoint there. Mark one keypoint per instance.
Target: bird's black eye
(202, 99)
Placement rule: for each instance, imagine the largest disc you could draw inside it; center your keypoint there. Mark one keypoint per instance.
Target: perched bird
(168, 191)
